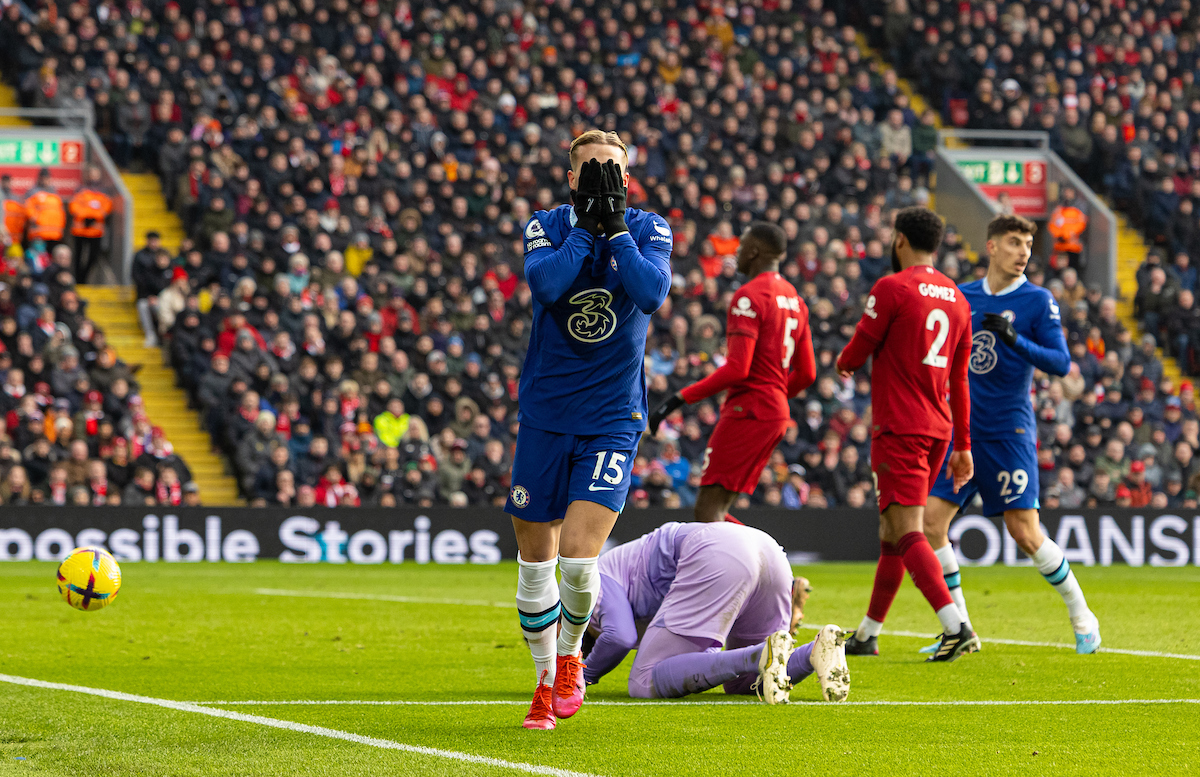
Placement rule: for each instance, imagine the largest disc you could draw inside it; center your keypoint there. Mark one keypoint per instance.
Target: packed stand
(348, 311)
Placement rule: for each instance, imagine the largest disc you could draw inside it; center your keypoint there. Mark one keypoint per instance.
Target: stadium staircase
(112, 308)
(1131, 252)
(150, 212)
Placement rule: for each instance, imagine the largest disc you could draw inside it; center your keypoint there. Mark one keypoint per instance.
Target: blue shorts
(552, 470)
(1006, 477)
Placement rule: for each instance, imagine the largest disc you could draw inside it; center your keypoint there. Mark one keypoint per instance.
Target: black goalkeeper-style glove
(612, 200)
(669, 405)
(587, 197)
(994, 322)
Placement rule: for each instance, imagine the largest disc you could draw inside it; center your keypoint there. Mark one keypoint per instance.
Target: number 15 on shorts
(611, 474)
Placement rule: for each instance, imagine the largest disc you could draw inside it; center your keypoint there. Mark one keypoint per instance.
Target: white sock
(949, 561)
(578, 591)
(1056, 569)
(538, 608)
(867, 629)
(952, 621)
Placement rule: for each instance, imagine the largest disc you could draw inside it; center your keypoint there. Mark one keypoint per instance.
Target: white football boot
(773, 683)
(829, 663)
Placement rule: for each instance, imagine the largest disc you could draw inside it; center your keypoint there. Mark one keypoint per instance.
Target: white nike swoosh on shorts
(1008, 499)
(592, 487)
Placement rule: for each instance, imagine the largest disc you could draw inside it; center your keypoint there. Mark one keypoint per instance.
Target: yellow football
(89, 578)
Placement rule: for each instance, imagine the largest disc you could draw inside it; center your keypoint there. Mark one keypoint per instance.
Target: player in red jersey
(769, 358)
(917, 325)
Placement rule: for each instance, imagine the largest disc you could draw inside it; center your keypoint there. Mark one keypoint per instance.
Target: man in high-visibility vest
(90, 208)
(1067, 225)
(14, 214)
(47, 217)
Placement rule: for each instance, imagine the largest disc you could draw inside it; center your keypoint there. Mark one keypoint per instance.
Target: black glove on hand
(612, 200)
(587, 197)
(994, 322)
(669, 405)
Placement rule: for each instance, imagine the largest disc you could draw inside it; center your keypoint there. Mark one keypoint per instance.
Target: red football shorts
(737, 452)
(905, 467)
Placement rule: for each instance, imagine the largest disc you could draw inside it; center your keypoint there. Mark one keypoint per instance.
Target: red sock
(730, 519)
(925, 569)
(889, 574)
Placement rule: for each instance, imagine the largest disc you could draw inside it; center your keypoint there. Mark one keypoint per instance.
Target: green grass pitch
(208, 633)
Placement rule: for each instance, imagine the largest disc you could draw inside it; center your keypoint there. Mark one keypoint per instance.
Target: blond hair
(595, 137)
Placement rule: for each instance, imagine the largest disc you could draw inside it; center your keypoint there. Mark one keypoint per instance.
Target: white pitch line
(707, 703)
(1028, 643)
(321, 731)
(512, 605)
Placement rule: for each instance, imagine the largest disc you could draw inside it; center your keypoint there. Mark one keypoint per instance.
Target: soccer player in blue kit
(597, 272)
(1017, 328)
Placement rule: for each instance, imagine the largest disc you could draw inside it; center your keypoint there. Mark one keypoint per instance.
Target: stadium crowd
(348, 312)
(75, 428)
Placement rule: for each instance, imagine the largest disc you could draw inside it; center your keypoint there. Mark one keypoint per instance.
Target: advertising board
(454, 536)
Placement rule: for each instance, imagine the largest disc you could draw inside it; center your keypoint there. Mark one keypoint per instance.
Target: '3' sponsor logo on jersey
(983, 352)
(595, 320)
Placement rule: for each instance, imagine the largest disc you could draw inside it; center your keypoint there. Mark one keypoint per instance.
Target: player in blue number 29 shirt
(597, 272)
(1017, 328)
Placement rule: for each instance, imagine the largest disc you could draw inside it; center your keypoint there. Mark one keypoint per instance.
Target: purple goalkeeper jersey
(645, 567)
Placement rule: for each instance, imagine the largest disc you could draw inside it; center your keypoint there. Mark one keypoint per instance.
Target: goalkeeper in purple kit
(695, 588)
(597, 271)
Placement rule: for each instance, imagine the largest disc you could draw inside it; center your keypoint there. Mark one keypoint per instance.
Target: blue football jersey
(1001, 375)
(592, 301)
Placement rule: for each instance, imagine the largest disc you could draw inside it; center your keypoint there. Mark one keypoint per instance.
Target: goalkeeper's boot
(954, 645)
(541, 712)
(569, 686)
(773, 683)
(1089, 641)
(862, 647)
(829, 663)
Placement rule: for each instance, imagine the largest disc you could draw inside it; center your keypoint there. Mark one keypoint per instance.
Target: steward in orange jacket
(1067, 225)
(47, 217)
(89, 210)
(14, 219)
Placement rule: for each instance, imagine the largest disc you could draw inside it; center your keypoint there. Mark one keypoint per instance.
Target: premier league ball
(89, 578)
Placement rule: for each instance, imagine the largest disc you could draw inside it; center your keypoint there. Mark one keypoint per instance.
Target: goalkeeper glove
(994, 322)
(587, 197)
(669, 405)
(612, 200)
